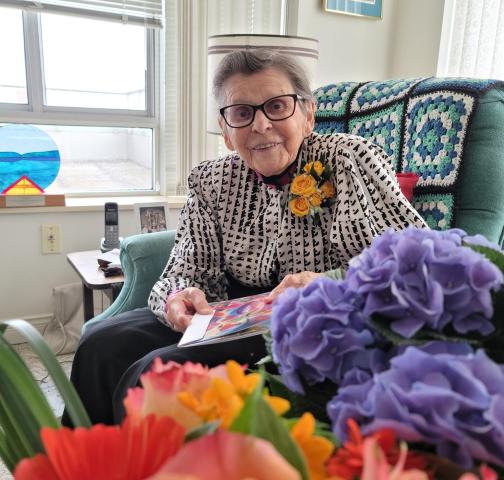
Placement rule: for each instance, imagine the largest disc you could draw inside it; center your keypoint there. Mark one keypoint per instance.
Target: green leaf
(23, 407)
(73, 404)
(326, 174)
(6, 453)
(265, 360)
(314, 401)
(498, 306)
(14, 444)
(21, 425)
(496, 257)
(382, 325)
(201, 430)
(259, 420)
(19, 380)
(336, 274)
(12, 450)
(494, 346)
(314, 173)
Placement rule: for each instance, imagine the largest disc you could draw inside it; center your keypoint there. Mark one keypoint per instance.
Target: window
(12, 79)
(103, 70)
(91, 85)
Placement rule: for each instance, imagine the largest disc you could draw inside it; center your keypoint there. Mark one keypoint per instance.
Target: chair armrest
(143, 258)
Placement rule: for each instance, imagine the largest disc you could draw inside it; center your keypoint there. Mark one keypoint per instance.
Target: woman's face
(266, 146)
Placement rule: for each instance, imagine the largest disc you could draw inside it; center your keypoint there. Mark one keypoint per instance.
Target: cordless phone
(111, 239)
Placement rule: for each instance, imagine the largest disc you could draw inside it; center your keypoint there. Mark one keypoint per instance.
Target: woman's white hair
(250, 61)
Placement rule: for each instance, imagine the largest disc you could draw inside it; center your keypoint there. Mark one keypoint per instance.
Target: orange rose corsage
(312, 189)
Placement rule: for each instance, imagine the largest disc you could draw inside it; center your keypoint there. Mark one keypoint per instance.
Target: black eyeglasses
(276, 108)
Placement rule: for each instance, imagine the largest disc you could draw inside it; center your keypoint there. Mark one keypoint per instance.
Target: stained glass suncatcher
(29, 159)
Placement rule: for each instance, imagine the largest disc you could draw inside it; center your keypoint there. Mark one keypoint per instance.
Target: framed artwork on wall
(359, 8)
(151, 217)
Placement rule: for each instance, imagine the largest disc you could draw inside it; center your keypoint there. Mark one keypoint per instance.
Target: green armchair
(448, 131)
(143, 258)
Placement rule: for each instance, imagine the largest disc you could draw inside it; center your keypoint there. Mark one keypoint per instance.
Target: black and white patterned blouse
(234, 222)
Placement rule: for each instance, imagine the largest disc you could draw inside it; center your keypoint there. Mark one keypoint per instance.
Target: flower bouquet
(390, 373)
(411, 340)
(312, 189)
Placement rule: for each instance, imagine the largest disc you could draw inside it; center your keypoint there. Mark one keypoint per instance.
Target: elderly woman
(244, 230)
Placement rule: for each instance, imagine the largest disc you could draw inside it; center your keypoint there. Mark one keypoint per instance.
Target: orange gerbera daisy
(135, 450)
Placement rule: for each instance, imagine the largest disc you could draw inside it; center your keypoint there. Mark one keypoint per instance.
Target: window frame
(35, 112)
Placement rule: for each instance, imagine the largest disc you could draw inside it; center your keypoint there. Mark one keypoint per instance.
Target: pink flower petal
(230, 456)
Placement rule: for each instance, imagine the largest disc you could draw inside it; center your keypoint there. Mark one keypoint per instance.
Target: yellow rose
(316, 199)
(318, 167)
(327, 189)
(300, 206)
(303, 185)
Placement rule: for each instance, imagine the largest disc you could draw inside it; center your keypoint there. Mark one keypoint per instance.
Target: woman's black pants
(113, 353)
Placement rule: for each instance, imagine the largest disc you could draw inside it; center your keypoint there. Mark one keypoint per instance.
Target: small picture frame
(358, 8)
(151, 217)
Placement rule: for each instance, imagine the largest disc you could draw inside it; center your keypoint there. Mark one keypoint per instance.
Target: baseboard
(38, 321)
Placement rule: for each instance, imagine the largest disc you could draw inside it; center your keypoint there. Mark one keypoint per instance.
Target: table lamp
(303, 48)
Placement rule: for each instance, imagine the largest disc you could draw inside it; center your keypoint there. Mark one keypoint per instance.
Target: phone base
(104, 247)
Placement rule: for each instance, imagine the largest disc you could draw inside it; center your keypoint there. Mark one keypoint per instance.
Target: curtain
(188, 23)
(473, 39)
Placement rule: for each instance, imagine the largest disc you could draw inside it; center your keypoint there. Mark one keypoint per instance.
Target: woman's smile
(265, 147)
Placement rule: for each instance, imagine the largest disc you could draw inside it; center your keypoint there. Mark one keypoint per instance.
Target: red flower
(135, 450)
(486, 473)
(348, 460)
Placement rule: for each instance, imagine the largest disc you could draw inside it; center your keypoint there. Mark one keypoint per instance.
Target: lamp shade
(304, 49)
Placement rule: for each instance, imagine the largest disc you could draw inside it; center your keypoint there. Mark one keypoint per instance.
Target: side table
(86, 266)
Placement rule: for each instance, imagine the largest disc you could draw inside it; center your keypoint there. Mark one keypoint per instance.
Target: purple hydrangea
(423, 278)
(480, 240)
(453, 401)
(319, 333)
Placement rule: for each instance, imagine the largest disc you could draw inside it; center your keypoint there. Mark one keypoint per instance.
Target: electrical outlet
(51, 239)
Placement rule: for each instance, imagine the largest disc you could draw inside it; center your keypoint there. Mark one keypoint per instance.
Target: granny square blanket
(421, 123)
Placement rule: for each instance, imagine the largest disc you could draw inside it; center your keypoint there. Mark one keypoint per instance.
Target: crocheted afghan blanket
(421, 123)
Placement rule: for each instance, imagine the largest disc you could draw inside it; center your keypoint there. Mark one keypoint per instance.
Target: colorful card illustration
(231, 319)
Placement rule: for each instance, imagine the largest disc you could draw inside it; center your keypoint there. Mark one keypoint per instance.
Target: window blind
(145, 12)
(473, 39)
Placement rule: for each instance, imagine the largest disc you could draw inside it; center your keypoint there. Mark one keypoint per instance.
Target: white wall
(350, 48)
(403, 43)
(416, 38)
(27, 277)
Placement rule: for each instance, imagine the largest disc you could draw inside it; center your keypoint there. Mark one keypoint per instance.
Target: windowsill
(92, 204)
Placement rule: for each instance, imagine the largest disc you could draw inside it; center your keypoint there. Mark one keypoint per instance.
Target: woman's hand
(296, 280)
(181, 306)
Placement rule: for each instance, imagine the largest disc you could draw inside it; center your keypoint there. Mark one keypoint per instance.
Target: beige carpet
(40, 374)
